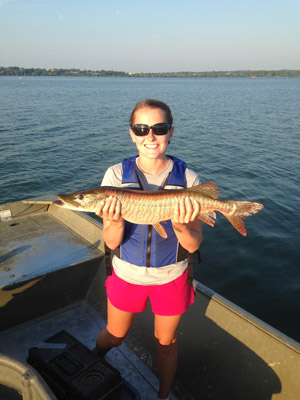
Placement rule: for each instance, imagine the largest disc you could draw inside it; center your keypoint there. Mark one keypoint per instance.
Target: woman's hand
(113, 222)
(187, 227)
(110, 210)
(186, 211)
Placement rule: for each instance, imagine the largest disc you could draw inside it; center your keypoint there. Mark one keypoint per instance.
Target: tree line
(19, 71)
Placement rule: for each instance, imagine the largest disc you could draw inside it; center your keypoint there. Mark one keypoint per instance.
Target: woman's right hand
(110, 210)
(113, 222)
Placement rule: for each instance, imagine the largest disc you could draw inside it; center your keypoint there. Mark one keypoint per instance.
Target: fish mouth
(59, 202)
(62, 201)
(66, 201)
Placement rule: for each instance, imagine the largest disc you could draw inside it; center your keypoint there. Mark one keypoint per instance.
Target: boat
(52, 279)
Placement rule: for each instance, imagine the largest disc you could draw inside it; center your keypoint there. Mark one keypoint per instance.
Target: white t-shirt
(144, 275)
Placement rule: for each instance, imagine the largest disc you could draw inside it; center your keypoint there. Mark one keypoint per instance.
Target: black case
(74, 372)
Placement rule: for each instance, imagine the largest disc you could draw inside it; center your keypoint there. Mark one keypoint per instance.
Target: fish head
(80, 201)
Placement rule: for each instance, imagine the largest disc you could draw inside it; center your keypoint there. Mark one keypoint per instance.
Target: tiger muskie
(153, 207)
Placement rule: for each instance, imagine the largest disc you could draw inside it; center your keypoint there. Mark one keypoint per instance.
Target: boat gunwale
(248, 317)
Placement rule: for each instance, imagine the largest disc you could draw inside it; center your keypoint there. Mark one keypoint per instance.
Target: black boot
(167, 365)
(106, 341)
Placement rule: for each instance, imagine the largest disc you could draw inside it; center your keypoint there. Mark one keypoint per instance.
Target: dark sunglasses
(143, 129)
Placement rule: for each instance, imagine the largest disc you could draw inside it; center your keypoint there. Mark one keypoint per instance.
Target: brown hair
(151, 103)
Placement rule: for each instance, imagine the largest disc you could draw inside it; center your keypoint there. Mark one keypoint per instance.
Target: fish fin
(208, 217)
(211, 213)
(237, 223)
(208, 189)
(160, 230)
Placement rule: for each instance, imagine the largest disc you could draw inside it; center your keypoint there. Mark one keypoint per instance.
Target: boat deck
(84, 323)
(33, 244)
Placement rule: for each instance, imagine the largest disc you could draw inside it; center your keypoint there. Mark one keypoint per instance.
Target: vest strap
(191, 264)
(107, 257)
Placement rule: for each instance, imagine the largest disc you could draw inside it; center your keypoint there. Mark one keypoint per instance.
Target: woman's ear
(171, 134)
(132, 135)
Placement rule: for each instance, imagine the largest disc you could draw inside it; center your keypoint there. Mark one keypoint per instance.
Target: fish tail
(240, 210)
(246, 208)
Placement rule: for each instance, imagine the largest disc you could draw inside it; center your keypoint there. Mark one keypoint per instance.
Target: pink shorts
(171, 298)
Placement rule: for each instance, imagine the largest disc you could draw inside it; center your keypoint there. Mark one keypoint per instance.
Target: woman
(148, 266)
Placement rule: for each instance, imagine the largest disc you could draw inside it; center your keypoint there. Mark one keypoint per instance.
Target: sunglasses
(143, 129)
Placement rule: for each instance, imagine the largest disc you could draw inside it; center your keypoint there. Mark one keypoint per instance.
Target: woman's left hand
(187, 227)
(186, 211)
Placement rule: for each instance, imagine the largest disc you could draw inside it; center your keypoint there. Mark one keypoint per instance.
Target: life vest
(141, 244)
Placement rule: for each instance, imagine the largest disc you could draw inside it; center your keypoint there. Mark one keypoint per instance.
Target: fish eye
(80, 197)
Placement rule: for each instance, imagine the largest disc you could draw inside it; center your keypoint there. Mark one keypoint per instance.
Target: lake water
(60, 134)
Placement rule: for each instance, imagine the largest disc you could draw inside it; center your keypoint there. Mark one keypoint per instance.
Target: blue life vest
(141, 244)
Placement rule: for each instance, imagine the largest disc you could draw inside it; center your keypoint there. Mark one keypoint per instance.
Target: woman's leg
(165, 332)
(118, 324)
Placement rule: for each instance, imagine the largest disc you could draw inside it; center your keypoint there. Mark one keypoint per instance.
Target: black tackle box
(74, 372)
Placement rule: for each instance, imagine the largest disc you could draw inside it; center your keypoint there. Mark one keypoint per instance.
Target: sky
(151, 35)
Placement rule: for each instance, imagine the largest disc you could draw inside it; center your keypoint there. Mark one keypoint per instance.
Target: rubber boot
(106, 341)
(167, 356)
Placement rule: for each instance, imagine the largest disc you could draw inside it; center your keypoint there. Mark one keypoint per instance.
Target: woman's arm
(187, 227)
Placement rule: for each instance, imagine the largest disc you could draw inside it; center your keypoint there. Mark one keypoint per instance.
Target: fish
(155, 207)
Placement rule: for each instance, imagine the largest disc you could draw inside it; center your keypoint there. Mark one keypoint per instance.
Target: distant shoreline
(19, 71)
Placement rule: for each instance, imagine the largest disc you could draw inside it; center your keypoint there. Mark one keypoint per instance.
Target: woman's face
(151, 146)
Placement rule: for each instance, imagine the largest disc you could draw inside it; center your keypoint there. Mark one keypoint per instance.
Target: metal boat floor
(36, 244)
(82, 322)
